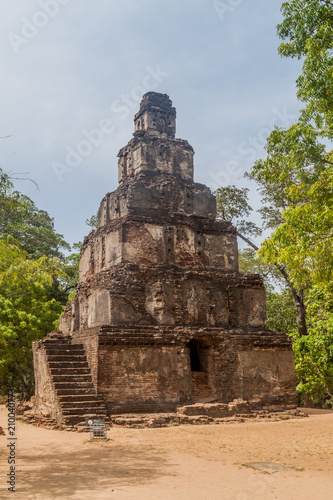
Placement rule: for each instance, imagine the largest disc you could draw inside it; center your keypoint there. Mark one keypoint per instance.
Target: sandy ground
(186, 462)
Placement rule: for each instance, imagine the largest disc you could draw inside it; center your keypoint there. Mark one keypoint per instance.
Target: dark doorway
(194, 356)
(200, 352)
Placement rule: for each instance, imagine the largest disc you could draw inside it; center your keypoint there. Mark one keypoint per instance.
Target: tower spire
(156, 117)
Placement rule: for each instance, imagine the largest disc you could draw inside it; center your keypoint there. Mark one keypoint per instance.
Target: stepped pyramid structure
(162, 317)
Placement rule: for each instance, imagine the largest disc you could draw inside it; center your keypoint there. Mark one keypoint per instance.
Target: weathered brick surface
(91, 345)
(46, 400)
(154, 374)
(161, 310)
(167, 296)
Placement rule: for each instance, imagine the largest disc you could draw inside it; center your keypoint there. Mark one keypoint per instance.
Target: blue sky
(72, 67)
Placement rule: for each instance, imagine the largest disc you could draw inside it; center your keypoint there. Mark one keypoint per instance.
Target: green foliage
(252, 262)
(6, 184)
(232, 205)
(31, 227)
(71, 263)
(35, 279)
(307, 29)
(27, 312)
(298, 158)
(296, 183)
(295, 179)
(71, 267)
(299, 168)
(303, 242)
(294, 156)
(314, 353)
(92, 221)
(281, 315)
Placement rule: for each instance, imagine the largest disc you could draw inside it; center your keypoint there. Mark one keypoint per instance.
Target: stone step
(75, 389)
(78, 397)
(61, 347)
(64, 341)
(70, 371)
(65, 352)
(82, 404)
(67, 383)
(82, 411)
(56, 346)
(72, 381)
(58, 343)
(66, 357)
(85, 377)
(73, 363)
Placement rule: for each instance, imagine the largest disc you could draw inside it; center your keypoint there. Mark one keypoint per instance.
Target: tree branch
(296, 294)
(249, 242)
(23, 178)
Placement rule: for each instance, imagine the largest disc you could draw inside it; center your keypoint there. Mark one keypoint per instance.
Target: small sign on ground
(97, 428)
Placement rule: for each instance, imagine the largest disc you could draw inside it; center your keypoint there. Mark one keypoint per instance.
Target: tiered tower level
(161, 309)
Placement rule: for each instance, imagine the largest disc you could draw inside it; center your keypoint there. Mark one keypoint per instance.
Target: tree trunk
(300, 311)
(296, 294)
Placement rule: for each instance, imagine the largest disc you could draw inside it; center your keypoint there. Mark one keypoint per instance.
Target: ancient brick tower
(162, 317)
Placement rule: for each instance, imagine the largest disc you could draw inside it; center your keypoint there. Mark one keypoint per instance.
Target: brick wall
(138, 376)
(45, 396)
(90, 341)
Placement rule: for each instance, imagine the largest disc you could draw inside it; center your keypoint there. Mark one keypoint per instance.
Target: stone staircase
(72, 382)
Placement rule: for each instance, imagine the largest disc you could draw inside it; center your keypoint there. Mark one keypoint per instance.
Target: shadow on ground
(97, 467)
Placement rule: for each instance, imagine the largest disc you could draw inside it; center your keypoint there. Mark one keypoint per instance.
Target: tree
(92, 222)
(314, 353)
(232, 203)
(27, 312)
(296, 178)
(301, 157)
(307, 31)
(71, 268)
(281, 314)
(71, 263)
(295, 182)
(33, 230)
(251, 262)
(31, 227)
(36, 280)
(302, 239)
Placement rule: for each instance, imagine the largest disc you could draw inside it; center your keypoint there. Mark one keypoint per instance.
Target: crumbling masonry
(162, 317)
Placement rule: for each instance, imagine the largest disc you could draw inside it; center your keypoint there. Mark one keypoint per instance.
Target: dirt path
(186, 462)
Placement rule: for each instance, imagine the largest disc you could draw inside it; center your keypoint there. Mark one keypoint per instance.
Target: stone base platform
(237, 411)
